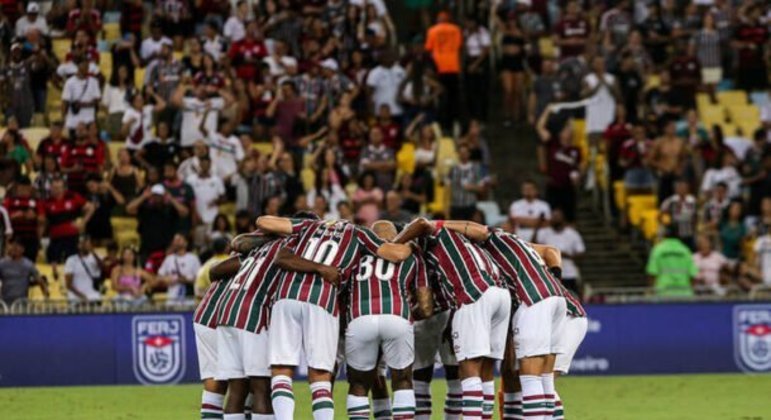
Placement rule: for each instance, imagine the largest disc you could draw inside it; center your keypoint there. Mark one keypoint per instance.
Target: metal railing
(65, 306)
(701, 293)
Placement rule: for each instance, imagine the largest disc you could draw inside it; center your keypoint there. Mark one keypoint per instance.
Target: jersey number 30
(383, 269)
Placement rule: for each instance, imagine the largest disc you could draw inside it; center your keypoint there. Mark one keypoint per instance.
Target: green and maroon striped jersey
(245, 303)
(380, 287)
(522, 267)
(575, 308)
(465, 271)
(206, 311)
(334, 243)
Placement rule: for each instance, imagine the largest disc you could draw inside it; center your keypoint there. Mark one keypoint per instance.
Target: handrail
(66, 306)
(646, 294)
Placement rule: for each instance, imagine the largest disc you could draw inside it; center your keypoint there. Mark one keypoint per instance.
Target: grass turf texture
(629, 397)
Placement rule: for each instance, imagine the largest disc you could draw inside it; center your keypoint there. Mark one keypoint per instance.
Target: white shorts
(539, 329)
(574, 333)
(242, 353)
(367, 334)
(206, 347)
(303, 327)
(479, 329)
(429, 341)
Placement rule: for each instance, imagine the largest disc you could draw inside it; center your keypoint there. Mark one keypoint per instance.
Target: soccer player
(242, 321)
(380, 316)
(306, 310)
(539, 321)
(481, 320)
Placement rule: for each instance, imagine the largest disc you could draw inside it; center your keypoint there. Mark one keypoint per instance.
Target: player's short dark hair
(305, 214)
(219, 246)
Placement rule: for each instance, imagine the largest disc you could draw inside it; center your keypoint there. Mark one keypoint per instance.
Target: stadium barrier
(159, 348)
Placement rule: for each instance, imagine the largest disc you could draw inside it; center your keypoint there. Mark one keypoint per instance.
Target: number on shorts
(384, 270)
(321, 252)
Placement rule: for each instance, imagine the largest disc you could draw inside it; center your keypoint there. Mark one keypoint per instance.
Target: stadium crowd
(194, 118)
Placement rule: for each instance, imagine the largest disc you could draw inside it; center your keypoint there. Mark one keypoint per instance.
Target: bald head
(384, 229)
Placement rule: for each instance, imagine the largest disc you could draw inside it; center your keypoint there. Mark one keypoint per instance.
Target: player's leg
(467, 326)
(381, 401)
(257, 368)
(361, 354)
(213, 395)
(574, 333)
(262, 407)
(284, 349)
(398, 346)
(237, 390)
(512, 389)
(532, 342)
(428, 336)
(499, 306)
(230, 366)
(320, 331)
(558, 315)
(453, 400)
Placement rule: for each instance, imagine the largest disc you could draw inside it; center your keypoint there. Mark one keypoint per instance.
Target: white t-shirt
(151, 46)
(225, 153)
(531, 210)
(477, 41)
(215, 47)
(69, 68)
(709, 267)
(114, 99)
(762, 248)
(385, 84)
(277, 70)
(80, 90)
(380, 6)
(601, 110)
(206, 190)
(234, 29)
(176, 266)
(83, 270)
(141, 121)
(24, 24)
(193, 110)
(729, 175)
(568, 241)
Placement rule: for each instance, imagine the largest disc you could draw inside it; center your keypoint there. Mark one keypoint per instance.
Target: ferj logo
(752, 337)
(158, 344)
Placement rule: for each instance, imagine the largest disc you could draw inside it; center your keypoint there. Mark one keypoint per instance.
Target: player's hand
(330, 275)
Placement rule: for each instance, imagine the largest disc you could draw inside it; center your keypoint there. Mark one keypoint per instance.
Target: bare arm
(273, 224)
(246, 242)
(225, 269)
(419, 227)
(289, 261)
(471, 230)
(425, 303)
(394, 252)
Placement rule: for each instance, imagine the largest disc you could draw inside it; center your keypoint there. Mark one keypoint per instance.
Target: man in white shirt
(151, 47)
(80, 97)
(196, 110)
(225, 150)
(81, 270)
(602, 90)
(383, 82)
(178, 271)
(208, 190)
(529, 212)
(762, 248)
(570, 244)
(710, 264)
(213, 43)
(235, 27)
(280, 64)
(31, 20)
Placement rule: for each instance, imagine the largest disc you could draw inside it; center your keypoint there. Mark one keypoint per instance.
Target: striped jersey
(380, 287)
(575, 308)
(205, 312)
(245, 304)
(465, 270)
(332, 243)
(524, 270)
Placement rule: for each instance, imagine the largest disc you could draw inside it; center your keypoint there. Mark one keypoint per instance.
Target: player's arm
(417, 228)
(273, 224)
(225, 269)
(394, 252)
(425, 303)
(246, 242)
(291, 262)
(471, 230)
(551, 256)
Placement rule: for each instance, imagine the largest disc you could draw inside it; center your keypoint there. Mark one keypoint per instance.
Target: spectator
(529, 213)
(726, 174)
(288, 109)
(671, 267)
(711, 266)
(544, 90)
(602, 89)
(27, 215)
(367, 199)
(62, 211)
(181, 193)
(49, 171)
(418, 91)
(220, 247)
(634, 157)
(125, 178)
(18, 274)
(178, 271)
(750, 38)
(563, 171)
(220, 229)
(114, 100)
(383, 83)
(6, 229)
(477, 44)
(414, 194)
(80, 97)
(159, 149)
(615, 25)
(164, 76)
(137, 120)
(18, 79)
(103, 198)
(572, 31)
(235, 27)
(708, 50)
(444, 41)
(753, 172)
(732, 231)
(83, 273)
(571, 246)
(478, 146)
(465, 184)
(129, 280)
(261, 183)
(209, 192)
(54, 145)
(512, 67)
(680, 208)
(715, 207)
(686, 74)
(762, 250)
(394, 211)
(83, 157)
(158, 214)
(151, 47)
(246, 54)
(85, 18)
(31, 20)
(668, 159)
(379, 159)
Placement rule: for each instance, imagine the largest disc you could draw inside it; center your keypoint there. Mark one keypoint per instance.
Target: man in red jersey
(306, 309)
(480, 322)
(62, 210)
(380, 316)
(27, 216)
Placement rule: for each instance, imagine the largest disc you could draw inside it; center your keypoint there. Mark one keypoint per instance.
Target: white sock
(236, 416)
(422, 400)
(472, 398)
(559, 412)
(282, 397)
(453, 402)
(358, 407)
(512, 406)
(532, 397)
(547, 379)
(381, 409)
(211, 405)
(262, 416)
(321, 401)
(248, 405)
(404, 404)
(488, 405)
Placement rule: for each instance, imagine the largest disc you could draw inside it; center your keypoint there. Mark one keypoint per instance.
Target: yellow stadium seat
(105, 64)
(308, 178)
(712, 114)
(405, 158)
(228, 209)
(34, 135)
(446, 155)
(739, 113)
(650, 224)
(139, 77)
(264, 148)
(732, 97)
(127, 238)
(637, 204)
(114, 147)
(653, 81)
(441, 200)
(729, 130)
(61, 47)
(124, 223)
(111, 31)
(619, 190)
(546, 47)
(703, 100)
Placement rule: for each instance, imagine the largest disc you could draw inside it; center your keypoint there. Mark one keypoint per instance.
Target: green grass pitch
(702, 397)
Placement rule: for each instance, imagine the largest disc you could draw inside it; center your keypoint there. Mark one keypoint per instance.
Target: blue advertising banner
(160, 348)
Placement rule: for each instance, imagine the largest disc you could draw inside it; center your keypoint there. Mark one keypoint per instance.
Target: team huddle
(332, 294)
